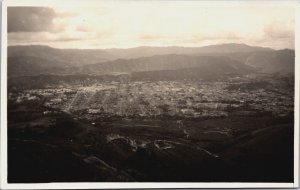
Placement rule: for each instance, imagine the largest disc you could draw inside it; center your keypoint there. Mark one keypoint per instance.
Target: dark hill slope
(34, 60)
(147, 51)
(265, 153)
(79, 57)
(71, 57)
(282, 61)
(165, 62)
(28, 65)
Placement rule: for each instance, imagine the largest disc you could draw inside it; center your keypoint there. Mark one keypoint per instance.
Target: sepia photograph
(189, 93)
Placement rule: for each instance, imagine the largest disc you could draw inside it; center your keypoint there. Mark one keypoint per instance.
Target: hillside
(146, 51)
(35, 60)
(30, 65)
(282, 61)
(161, 63)
(78, 57)
(74, 57)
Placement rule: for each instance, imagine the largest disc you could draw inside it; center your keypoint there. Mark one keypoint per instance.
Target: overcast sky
(116, 24)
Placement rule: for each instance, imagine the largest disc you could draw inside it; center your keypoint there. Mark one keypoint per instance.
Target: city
(148, 99)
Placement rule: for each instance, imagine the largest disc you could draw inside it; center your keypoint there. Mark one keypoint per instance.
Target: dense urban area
(148, 99)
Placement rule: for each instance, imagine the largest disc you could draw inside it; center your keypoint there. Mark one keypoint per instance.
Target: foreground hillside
(65, 150)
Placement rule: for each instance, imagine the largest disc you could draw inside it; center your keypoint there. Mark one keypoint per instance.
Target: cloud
(43, 37)
(67, 38)
(83, 28)
(279, 34)
(30, 19)
(216, 36)
(151, 36)
(153, 23)
(66, 14)
(279, 30)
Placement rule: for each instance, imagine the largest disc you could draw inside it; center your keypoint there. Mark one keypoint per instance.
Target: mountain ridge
(171, 46)
(37, 59)
(79, 57)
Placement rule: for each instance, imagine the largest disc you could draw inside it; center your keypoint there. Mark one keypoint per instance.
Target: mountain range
(170, 62)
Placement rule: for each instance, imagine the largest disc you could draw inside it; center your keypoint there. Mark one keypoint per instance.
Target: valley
(211, 114)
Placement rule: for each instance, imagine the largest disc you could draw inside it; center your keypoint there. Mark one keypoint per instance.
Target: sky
(119, 24)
